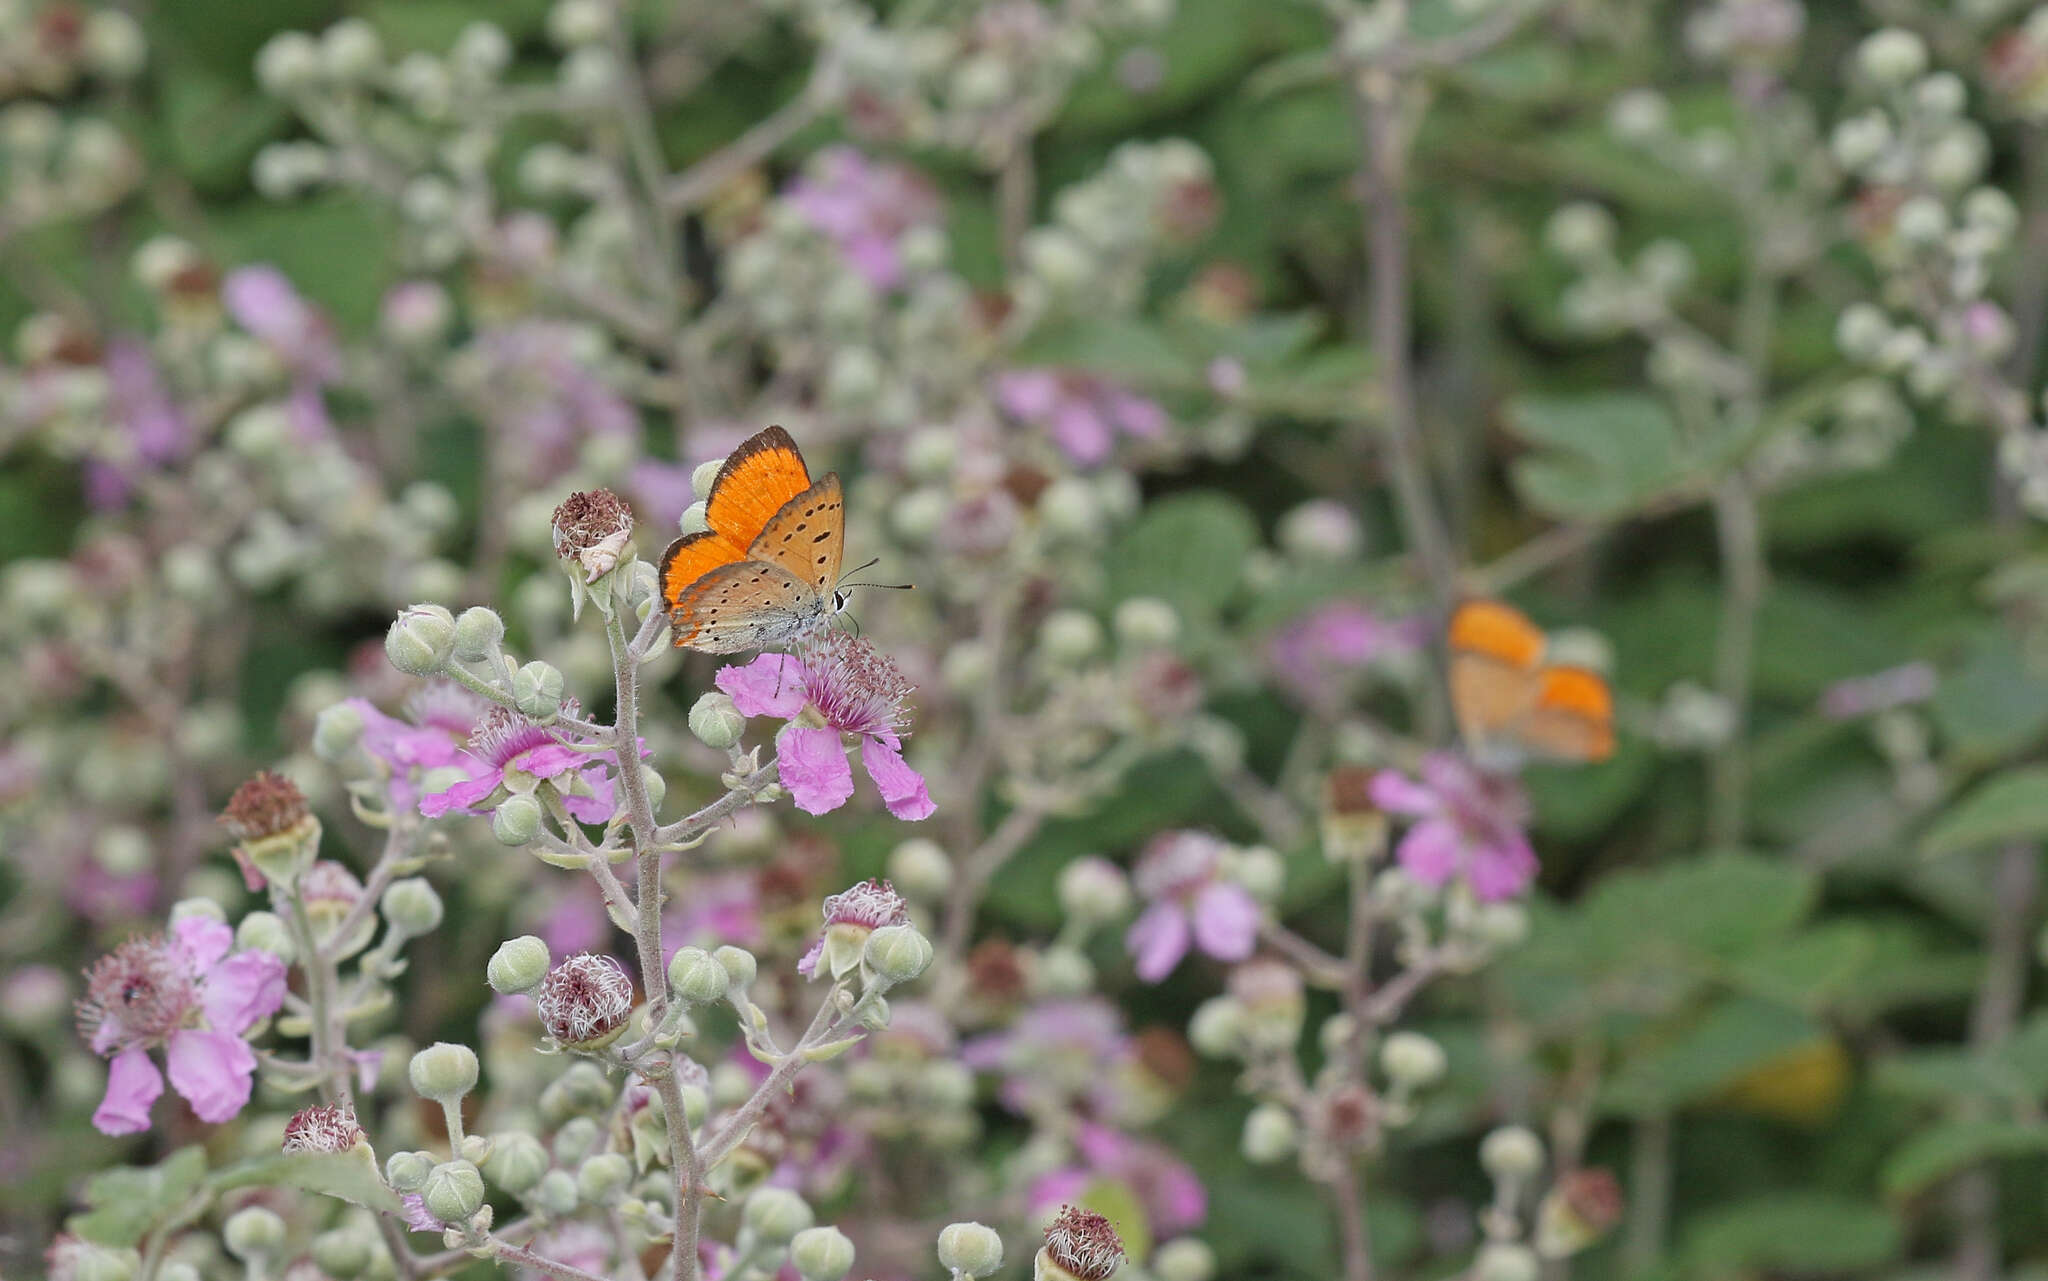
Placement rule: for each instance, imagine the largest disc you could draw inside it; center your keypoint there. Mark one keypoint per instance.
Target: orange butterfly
(1510, 703)
(764, 571)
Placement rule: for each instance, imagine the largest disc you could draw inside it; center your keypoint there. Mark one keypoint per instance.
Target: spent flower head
(584, 1001)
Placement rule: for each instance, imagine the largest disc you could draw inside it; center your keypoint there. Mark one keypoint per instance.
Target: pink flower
(1191, 903)
(1468, 826)
(864, 207)
(1172, 1196)
(850, 916)
(506, 743)
(531, 387)
(1081, 412)
(1314, 656)
(187, 994)
(1062, 1055)
(261, 300)
(440, 717)
(852, 688)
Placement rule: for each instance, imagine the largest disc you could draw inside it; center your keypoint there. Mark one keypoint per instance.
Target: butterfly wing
(807, 537)
(1571, 717)
(757, 480)
(1495, 661)
(749, 604)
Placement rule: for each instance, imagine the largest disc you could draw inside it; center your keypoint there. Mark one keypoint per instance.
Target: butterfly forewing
(807, 536)
(757, 480)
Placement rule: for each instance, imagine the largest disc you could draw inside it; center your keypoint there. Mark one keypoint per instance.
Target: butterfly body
(762, 573)
(1511, 703)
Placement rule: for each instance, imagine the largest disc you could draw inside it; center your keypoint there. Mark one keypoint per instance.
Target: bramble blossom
(185, 993)
(1082, 413)
(1468, 826)
(1180, 872)
(841, 685)
(509, 753)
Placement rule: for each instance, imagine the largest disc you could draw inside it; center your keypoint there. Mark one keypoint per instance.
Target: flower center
(503, 734)
(140, 992)
(854, 686)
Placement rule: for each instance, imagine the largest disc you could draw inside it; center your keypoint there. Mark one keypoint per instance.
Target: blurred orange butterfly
(764, 570)
(1510, 703)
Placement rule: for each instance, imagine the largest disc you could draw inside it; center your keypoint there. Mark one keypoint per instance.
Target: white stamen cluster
(585, 998)
(873, 903)
(138, 993)
(324, 1127)
(1084, 1244)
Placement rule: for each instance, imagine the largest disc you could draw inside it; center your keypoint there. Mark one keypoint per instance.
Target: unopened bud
(265, 932)
(821, 1254)
(478, 634)
(1094, 890)
(408, 1171)
(537, 691)
(775, 1215)
(519, 965)
(920, 870)
(517, 1163)
(1412, 1059)
(1512, 1152)
(412, 907)
(443, 1072)
(1269, 1134)
(421, 640)
(516, 821)
(972, 1249)
(602, 1179)
(556, 1193)
(740, 965)
(1184, 1259)
(695, 977)
(344, 1252)
(716, 720)
(897, 953)
(454, 1191)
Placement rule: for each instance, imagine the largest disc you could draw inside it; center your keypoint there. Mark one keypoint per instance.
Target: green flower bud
(475, 1149)
(344, 1252)
(1269, 1133)
(583, 1088)
(575, 1140)
(1068, 636)
(408, 1171)
(695, 977)
(187, 908)
(774, 1215)
(1064, 971)
(253, 1233)
(84, 1261)
(602, 1179)
(288, 63)
(478, 634)
(411, 906)
(821, 1254)
(1412, 1059)
(1219, 1027)
(519, 964)
(336, 731)
(1184, 1259)
(350, 50)
(945, 1084)
(454, 1191)
(740, 966)
(537, 691)
(716, 721)
(556, 1193)
(702, 479)
(1506, 1261)
(444, 1072)
(1892, 57)
(517, 1162)
(897, 953)
(266, 932)
(516, 821)
(693, 520)
(971, 1249)
(1511, 1153)
(1582, 233)
(1146, 622)
(1094, 890)
(421, 640)
(920, 870)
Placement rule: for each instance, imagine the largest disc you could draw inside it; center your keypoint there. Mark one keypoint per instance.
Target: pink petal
(815, 769)
(771, 685)
(1059, 1188)
(1081, 431)
(461, 796)
(1431, 852)
(1138, 415)
(600, 805)
(133, 1084)
(1396, 793)
(1157, 941)
(1226, 920)
(1503, 870)
(808, 965)
(548, 760)
(213, 1070)
(1028, 394)
(204, 939)
(902, 787)
(242, 989)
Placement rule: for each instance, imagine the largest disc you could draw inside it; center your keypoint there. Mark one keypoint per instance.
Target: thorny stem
(540, 1263)
(736, 1127)
(1348, 1195)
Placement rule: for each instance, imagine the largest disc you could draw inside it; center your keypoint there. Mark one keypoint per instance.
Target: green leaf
(1788, 1231)
(1597, 456)
(1995, 704)
(1807, 968)
(1129, 350)
(124, 1204)
(2012, 806)
(352, 1176)
(1933, 1154)
(1732, 1038)
(1188, 549)
(213, 126)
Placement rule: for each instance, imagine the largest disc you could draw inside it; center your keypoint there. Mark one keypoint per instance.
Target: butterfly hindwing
(748, 604)
(1509, 703)
(758, 478)
(807, 536)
